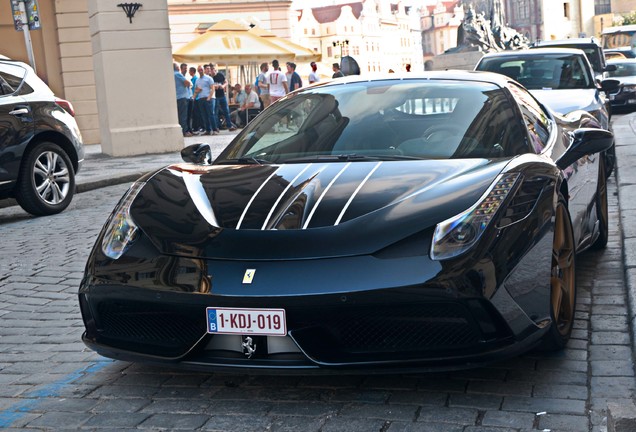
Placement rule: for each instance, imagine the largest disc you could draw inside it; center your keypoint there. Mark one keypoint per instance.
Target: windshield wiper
(334, 158)
(250, 160)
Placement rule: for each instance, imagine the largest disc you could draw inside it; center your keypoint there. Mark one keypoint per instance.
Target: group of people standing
(202, 95)
(201, 99)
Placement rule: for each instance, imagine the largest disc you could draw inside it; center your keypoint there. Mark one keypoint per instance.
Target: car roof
(572, 41)
(621, 60)
(536, 52)
(453, 75)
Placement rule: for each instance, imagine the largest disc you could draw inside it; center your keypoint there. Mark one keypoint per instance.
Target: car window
(545, 71)
(623, 70)
(11, 76)
(535, 118)
(384, 120)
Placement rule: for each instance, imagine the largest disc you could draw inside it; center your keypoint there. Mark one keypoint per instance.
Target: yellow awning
(229, 43)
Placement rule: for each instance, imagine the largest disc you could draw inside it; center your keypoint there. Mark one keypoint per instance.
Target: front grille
(389, 332)
(154, 329)
(407, 328)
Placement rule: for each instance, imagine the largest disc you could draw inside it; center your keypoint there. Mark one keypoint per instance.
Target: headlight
(456, 235)
(121, 229)
(629, 88)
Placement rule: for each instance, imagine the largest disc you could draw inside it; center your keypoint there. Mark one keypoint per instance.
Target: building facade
(379, 35)
(439, 24)
(63, 56)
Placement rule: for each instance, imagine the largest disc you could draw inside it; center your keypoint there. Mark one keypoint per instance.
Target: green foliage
(629, 18)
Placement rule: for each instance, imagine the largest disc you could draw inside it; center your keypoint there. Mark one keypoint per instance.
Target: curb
(621, 417)
(98, 184)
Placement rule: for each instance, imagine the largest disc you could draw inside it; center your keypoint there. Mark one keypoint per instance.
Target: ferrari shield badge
(249, 276)
(249, 347)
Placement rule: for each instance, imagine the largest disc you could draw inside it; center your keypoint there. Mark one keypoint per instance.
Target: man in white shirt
(251, 104)
(277, 82)
(313, 75)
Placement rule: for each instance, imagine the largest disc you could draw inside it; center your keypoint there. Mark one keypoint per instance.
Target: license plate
(260, 322)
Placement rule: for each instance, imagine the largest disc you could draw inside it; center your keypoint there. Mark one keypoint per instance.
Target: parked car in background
(624, 52)
(561, 78)
(620, 39)
(590, 46)
(423, 220)
(613, 54)
(40, 144)
(625, 73)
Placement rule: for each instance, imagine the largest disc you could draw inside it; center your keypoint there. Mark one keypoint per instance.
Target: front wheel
(46, 183)
(562, 281)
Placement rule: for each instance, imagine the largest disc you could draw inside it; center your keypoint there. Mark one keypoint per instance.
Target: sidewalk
(622, 417)
(100, 170)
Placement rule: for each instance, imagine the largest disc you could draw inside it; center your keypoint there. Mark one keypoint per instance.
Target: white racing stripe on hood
(313, 210)
(199, 197)
(238, 225)
(355, 192)
(281, 197)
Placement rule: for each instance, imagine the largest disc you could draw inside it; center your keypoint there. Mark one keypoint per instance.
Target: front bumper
(329, 333)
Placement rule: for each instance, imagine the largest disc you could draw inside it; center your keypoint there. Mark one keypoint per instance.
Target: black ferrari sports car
(402, 222)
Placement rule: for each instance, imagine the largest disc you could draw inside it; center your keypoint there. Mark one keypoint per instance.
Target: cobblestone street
(49, 380)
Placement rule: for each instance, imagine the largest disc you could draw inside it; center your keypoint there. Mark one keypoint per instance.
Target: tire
(46, 182)
(562, 281)
(601, 207)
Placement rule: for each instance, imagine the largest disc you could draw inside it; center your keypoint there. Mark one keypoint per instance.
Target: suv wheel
(46, 183)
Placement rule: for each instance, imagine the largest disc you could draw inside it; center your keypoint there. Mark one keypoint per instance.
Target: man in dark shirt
(295, 82)
(221, 99)
(337, 73)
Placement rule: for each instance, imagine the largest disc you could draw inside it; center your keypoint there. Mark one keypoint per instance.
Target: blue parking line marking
(18, 410)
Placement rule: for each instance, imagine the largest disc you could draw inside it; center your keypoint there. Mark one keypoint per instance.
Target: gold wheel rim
(562, 279)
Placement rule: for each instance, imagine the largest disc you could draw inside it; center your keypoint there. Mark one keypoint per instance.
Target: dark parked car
(40, 143)
(625, 73)
(590, 46)
(414, 221)
(561, 78)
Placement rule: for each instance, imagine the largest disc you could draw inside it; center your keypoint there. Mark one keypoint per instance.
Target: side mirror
(585, 141)
(610, 85)
(199, 153)
(610, 68)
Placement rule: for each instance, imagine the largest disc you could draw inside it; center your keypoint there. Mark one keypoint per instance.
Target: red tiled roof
(328, 14)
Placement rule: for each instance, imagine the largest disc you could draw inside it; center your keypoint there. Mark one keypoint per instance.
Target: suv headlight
(121, 230)
(456, 235)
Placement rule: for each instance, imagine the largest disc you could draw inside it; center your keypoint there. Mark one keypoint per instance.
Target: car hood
(304, 210)
(630, 80)
(565, 101)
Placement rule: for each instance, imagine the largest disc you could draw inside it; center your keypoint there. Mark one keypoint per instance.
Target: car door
(16, 122)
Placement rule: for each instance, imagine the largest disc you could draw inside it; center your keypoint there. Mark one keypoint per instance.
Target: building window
(523, 9)
(566, 10)
(329, 52)
(305, 31)
(602, 7)
(313, 31)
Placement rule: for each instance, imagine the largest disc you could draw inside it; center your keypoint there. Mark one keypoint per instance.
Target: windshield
(383, 120)
(542, 72)
(623, 69)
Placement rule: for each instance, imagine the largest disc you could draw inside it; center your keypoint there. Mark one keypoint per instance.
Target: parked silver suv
(561, 78)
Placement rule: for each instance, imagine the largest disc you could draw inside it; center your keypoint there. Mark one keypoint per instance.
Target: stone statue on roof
(487, 32)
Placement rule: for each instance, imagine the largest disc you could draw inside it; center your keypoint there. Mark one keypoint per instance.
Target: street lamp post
(341, 44)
